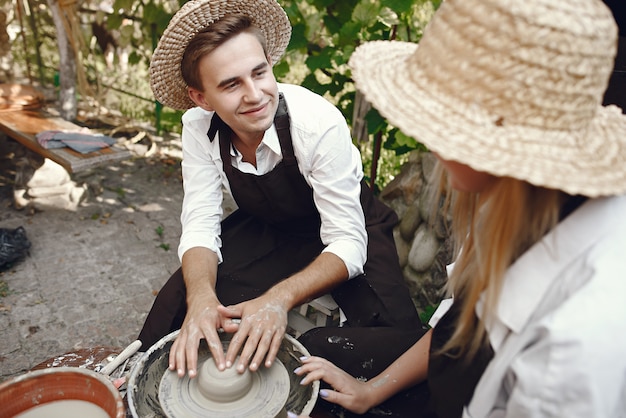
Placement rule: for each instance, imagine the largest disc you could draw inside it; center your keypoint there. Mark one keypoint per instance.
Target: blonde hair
(490, 230)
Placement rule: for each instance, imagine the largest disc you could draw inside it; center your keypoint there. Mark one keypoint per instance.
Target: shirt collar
(270, 139)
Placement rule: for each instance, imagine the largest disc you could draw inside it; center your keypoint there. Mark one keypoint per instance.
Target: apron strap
(281, 122)
(283, 125)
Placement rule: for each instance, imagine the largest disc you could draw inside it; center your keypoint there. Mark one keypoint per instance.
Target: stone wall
(424, 249)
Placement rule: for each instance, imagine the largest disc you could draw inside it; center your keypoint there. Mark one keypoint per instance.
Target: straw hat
(166, 80)
(509, 87)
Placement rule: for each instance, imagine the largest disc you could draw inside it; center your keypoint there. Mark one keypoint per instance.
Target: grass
(4, 289)
(159, 231)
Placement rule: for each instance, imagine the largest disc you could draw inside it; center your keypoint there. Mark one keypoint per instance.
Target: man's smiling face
(238, 84)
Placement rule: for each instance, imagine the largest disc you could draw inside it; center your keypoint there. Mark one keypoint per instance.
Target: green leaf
(310, 82)
(398, 6)
(427, 313)
(134, 58)
(345, 55)
(349, 32)
(388, 17)
(343, 10)
(152, 13)
(405, 140)
(335, 86)
(281, 69)
(365, 13)
(321, 59)
(375, 122)
(127, 31)
(332, 24)
(322, 4)
(114, 21)
(400, 143)
(298, 37)
(123, 5)
(293, 12)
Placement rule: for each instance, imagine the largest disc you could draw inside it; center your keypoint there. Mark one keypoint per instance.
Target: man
(306, 223)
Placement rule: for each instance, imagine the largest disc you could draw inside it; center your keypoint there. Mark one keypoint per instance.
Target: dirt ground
(91, 274)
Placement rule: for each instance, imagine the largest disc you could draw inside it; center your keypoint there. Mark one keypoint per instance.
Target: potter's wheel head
(225, 393)
(147, 373)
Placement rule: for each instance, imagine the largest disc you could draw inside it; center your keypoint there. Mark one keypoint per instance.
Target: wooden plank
(23, 125)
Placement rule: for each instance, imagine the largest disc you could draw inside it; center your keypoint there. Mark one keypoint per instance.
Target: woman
(507, 94)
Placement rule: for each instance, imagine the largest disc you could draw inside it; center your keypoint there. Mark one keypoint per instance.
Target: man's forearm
(200, 273)
(319, 277)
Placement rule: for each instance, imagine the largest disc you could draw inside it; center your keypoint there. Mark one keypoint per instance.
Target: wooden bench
(23, 125)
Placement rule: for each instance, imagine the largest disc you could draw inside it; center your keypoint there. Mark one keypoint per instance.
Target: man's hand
(260, 332)
(202, 321)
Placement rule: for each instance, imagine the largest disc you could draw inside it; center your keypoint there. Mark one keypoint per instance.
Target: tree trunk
(67, 66)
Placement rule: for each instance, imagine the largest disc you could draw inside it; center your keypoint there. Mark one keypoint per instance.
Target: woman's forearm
(408, 370)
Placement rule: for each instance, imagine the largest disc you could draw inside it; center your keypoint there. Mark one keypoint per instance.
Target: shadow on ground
(91, 274)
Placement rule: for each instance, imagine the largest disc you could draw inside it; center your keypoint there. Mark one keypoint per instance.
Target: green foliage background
(325, 33)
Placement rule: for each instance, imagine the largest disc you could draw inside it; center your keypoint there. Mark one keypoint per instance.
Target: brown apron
(275, 233)
(452, 379)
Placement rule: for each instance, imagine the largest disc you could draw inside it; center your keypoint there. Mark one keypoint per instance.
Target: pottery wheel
(225, 393)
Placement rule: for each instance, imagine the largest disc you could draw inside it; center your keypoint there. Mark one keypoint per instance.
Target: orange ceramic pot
(40, 387)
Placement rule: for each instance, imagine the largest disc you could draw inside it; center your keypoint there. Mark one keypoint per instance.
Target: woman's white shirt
(559, 331)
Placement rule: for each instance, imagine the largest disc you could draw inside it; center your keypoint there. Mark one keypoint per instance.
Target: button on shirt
(559, 331)
(327, 159)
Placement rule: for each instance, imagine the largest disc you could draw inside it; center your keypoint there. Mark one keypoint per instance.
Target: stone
(424, 248)
(402, 248)
(409, 223)
(405, 185)
(429, 162)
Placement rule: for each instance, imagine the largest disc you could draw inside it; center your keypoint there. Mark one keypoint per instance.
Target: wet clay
(65, 408)
(225, 393)
(148, 371)
(223, 386)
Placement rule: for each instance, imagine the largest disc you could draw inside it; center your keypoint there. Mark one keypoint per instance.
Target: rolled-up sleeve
(202, 183)
(332, 166)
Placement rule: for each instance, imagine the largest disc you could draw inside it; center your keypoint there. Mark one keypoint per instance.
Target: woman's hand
(348, 392)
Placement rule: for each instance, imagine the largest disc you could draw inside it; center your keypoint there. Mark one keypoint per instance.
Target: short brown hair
(209, 39)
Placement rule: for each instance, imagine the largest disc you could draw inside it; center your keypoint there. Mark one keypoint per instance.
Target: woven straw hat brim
(589, 159)
(166, 79)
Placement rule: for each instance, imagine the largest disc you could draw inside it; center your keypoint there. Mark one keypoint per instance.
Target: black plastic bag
(14, 245)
